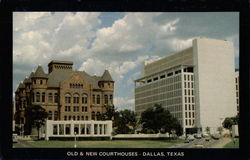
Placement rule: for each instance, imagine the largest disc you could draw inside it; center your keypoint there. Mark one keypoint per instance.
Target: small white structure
(81, 128)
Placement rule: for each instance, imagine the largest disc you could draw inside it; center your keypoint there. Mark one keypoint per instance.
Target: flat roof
(60, 62)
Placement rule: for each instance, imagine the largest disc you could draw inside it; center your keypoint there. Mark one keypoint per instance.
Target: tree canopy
(35, 115)
(229, 121)
(157, 119)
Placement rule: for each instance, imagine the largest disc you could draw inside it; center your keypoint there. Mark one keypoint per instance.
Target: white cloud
(131, 36)
(235, 40)
(124, 103)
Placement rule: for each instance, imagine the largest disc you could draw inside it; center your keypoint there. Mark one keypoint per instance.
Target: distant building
(197, 84)
(65, 94)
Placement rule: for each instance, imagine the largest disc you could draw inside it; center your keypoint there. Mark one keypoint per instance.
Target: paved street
(24, 144)
(206, 144)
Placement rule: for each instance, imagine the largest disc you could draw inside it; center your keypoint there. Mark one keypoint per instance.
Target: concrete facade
(77, 128)
(197, 85)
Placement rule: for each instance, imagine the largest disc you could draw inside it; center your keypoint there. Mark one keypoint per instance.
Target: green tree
(35, 115)
(157, 119)
(126, 122)
(110, 112)
(229, 121)
(208, 130)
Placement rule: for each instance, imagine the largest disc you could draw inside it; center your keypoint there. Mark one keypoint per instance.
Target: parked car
(186, 140)
(14, 138)
(198, 136)
(199, 146)
(190, 138)
(216, 136)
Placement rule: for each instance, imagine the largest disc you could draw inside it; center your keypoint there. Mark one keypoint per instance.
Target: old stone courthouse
(64, 93)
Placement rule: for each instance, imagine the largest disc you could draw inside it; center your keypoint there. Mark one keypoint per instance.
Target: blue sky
(117, 41)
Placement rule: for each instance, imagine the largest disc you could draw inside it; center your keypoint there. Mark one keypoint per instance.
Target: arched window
(50, 98)
(78, 118)
(74, 117)
(38, 97)
(43, 97)
(86, 118)
(93, 115)
(50, 115)
(33, 97)
(93, 98)
(98, 99)
(105, 99)
(111, 98)
(98, 116)
(67, 98)
(65, 118)
(84, 99)
(76, 98)
(55, 115)
(55, 98)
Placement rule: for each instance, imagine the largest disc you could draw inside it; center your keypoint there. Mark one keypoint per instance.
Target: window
(50, 115)
(50, 98)
(86, 118)
(84, 99)
(185, 114)
(184, 77)
(37, 97)
(169, 74)
(69, 117)
(162, 76)
(156, 78)
(76, 99)
(78, 118)
(56, 98)
(93, 98)
(74, 117)
(105, 99)
(98, 100)
(86, 109)
(55, 115)
(41, 81)
(82, 117)
(93, 115)
(43, 97)
(150, 80)
(33, 97)
(111, 98)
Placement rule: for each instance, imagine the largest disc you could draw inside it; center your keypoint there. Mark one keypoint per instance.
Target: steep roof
(27, 80)
(39, 73)
(57, 76)
(106, 76)
(21, 85)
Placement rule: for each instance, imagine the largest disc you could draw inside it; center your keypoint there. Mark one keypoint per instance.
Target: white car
(190, 138)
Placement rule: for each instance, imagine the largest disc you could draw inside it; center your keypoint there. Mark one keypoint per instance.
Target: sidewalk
(221, 143)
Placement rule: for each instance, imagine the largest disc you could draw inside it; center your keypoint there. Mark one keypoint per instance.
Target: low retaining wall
(140, 136)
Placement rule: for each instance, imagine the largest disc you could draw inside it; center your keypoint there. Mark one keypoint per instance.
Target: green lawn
(232, 145)
(106, 144)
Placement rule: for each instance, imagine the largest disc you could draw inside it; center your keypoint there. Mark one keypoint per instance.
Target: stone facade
(65, 94)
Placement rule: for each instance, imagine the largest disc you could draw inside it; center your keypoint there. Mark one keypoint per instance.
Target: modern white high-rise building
(197, 84)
